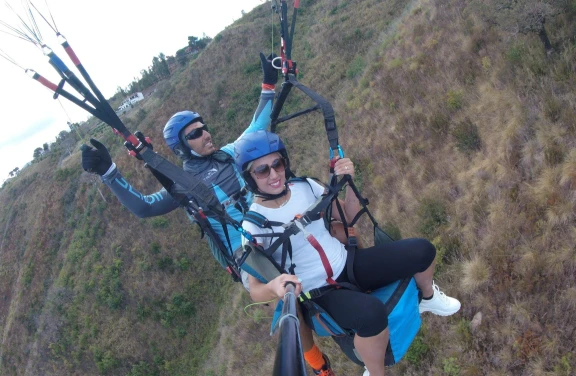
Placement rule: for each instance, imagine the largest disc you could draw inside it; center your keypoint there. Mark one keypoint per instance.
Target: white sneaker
(366, 372)
(440, 304)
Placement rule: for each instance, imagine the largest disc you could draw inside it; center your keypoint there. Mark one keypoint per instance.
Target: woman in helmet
(265, 166)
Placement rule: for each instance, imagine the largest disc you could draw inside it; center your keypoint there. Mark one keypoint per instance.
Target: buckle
(352, 241)
(303, 219)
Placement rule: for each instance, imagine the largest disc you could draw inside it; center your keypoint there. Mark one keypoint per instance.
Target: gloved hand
(270, 74)
(96, 160)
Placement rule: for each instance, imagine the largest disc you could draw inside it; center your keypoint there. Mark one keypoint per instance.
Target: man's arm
(140, 205)
(261, 118)
(97, 160)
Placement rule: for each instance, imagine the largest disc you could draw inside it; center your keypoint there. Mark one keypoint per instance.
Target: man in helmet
(188, 137)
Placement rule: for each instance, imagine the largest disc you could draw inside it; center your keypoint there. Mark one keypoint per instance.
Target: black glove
(96, 160)
(270, 74)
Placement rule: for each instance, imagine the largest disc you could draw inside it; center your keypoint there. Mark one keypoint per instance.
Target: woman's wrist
(270, 291)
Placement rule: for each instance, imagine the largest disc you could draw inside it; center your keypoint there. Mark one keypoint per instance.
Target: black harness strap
(195, 188)
(321, 103)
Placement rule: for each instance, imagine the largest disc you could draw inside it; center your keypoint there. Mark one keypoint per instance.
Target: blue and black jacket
(217, 171)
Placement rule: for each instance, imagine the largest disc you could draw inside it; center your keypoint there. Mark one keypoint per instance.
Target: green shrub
(110, 288)
(69, 196)
(251, 68)
(155, 248)
(454, 100)
(166, 263)
(105, 361)
(159, 222)
(143, 311)
(432, 215)
(396, 63)
(356, 67)
(392, 230)
(180, 307)
(63, 174)
(140, 115)
(451, 366)
(183, 263)
(417, 351)
(563, 367)
(144, 369)
(464, 331)
(357, 35)
(230, 114)
(515, 54)
(218, 38)
(446, 250)
(467, 136)
(219, 91)
(163, 90)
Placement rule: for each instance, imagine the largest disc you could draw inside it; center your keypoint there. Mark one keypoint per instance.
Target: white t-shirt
(309, 267)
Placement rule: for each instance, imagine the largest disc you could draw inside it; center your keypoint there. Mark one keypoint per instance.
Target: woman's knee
(373, 321)
(425, 252)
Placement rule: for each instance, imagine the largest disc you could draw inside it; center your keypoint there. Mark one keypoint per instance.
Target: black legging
(375, 267)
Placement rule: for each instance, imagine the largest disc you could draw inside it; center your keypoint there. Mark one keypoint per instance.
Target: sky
(114, 40)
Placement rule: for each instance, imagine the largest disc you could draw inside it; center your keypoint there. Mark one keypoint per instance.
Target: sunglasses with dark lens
(196, 133)
(263, 171)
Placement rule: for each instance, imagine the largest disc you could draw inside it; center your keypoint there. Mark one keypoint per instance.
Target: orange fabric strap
(314, 357)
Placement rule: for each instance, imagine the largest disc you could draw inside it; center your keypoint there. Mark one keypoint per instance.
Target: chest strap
(314, 243)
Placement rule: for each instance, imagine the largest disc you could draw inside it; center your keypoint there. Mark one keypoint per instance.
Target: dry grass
(475, 274)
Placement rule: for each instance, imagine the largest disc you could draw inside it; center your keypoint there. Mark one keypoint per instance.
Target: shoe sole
(441, 313)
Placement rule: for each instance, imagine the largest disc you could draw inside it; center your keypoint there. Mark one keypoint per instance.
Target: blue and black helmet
(253, 146)
(173, 132)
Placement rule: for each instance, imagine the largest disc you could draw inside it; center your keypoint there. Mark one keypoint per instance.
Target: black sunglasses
(196, 133)
(263, 171)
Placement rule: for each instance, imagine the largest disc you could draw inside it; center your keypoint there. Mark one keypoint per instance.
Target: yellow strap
(307, 294)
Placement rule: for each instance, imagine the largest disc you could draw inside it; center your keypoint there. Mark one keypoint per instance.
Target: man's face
(203, 144)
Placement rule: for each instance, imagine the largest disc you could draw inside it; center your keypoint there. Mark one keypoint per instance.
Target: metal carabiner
(277, 66)
(340, 152)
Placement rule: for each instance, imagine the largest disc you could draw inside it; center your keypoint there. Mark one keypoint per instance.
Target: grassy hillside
(461, 122)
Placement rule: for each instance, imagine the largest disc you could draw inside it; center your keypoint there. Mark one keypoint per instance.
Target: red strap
(312, 240)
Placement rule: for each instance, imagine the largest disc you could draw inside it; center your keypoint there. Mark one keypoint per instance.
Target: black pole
(289, 356)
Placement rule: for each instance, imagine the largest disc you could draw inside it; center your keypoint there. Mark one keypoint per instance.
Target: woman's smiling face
(273, 183)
